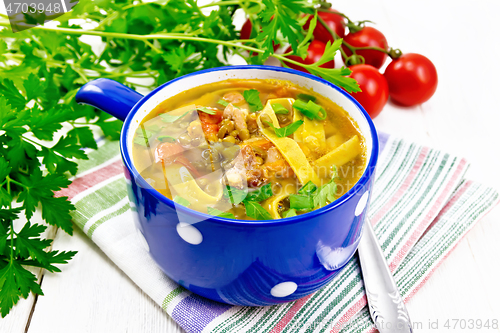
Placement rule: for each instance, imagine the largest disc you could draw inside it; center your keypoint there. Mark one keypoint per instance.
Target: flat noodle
(297, 115)
(313, 134)
(182, 182)
(340, 155)
(288, 148)
(271, 204)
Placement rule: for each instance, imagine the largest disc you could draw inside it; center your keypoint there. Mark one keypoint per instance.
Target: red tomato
(334, 22)
(412, 79)
(314, 53)
(374, 89)
(246, 30)
(368, 36)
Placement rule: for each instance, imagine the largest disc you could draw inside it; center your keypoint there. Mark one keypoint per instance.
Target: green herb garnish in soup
(250, 149)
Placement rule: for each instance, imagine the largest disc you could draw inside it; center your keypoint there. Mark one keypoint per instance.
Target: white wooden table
(463, 118)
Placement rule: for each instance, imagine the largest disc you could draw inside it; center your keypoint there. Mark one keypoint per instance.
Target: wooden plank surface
(93, 295)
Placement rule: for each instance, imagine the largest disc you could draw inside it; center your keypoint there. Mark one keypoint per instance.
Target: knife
(385, 303)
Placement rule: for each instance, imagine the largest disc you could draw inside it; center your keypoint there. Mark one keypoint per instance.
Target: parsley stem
(166, 36)
(334, 35)
(10, 180)
(223, 3)
(34, 142)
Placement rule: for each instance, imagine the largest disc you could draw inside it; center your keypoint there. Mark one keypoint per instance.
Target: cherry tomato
(246, 30)
(314, 53)
(334, 22)
(374, 89)
(412, 79)
(368, 36)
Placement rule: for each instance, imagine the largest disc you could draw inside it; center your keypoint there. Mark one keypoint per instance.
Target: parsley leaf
(261, 194)
(301, 202)
(308, 189)
(256, 211)
(181, 201)
(325, 193)
(165, 117)
(224, 103)
(234, 195)
(287, 130)
(252, 97)
(216, 212)
(206, 110)
(289, 213)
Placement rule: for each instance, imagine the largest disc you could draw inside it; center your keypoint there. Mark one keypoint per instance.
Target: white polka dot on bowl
(284, 289)
(362, 203)
(189, 233)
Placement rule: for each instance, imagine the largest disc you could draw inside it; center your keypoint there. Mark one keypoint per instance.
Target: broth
(250, 149)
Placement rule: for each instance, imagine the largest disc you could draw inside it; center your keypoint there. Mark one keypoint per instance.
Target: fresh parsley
(256, 211)
(206, 110)
(224, 103)
(301, 202)
(216, 212)
(142, 136)
(252, 97)
(43, 67)
(289, 213)
(325, 193)
(308, 189)
(261, 194)
(167, 118)
(287, 130)
(181, 201)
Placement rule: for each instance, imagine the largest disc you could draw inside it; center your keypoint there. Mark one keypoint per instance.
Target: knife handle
(385, 303)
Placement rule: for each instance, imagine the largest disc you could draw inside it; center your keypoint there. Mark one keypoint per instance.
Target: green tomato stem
(353, 49)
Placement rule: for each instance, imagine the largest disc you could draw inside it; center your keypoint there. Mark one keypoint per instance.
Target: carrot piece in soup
(210, 123)
(166, 152)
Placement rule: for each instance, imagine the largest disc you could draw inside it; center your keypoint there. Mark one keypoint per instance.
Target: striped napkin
(421, 207)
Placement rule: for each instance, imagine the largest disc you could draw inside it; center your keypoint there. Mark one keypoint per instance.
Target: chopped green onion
(220, 213)
(287, 130)
(206, 110)
(279, 108)
(166, 138)
(166, 118)
(310, 109)
(306, 97)
(289, 213)
(224, 103)
(301, 202)
(308, 188)
(181, 201)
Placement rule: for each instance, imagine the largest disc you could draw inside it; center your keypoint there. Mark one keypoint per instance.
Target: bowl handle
(110, 96)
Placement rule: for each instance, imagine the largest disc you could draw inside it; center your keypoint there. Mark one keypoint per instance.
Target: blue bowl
(235, 261)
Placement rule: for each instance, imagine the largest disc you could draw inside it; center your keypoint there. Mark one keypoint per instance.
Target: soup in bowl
(250, 183)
